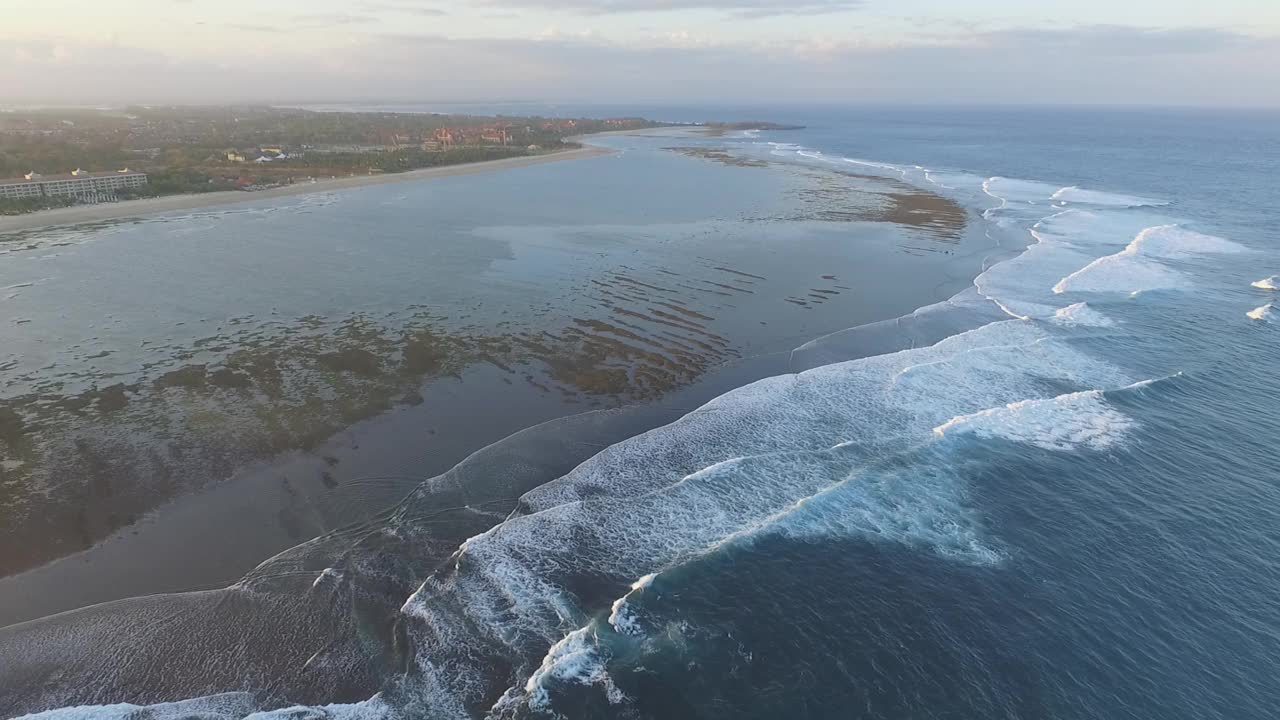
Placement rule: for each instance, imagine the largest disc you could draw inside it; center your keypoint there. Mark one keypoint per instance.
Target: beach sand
(104, 212)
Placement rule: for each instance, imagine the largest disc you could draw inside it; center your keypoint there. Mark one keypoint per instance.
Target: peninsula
(60, 161)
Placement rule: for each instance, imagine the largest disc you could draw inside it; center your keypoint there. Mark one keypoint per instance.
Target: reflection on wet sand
(553, 318)
(85, 453)
(80, 466)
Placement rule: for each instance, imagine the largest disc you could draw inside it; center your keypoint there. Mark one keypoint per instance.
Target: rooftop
(34, 177)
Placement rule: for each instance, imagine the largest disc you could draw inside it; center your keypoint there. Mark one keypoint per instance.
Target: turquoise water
(1052, 495)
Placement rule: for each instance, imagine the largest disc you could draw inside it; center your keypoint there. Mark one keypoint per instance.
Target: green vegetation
(204, 149)
(30, 205)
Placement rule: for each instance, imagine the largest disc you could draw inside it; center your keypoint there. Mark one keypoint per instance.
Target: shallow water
(201, 343)
(1045, 497)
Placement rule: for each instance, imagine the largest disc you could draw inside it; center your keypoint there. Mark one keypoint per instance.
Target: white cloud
(1083, 65)
(747, 8)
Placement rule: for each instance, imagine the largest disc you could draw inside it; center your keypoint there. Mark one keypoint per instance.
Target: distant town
(56, 158)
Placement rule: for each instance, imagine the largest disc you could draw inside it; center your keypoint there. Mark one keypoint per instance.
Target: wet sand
(105, 212)
(390, 406)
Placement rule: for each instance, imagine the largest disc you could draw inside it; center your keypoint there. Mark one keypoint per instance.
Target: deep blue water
(1138, 582)
(1057, 499)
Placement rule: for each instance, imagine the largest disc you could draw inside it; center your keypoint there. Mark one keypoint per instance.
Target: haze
(1141, 52)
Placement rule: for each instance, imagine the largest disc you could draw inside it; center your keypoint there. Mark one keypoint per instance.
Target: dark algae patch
(83, 455)
(841, 196)
(724, 157)
(76, 480)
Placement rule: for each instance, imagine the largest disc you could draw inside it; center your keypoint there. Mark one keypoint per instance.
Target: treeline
(403, 160)
(177, 181)
(415, 159)
(20, 155)
(184, 150)
(252, 126)
(30, 205)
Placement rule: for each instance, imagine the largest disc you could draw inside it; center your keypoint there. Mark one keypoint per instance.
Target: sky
(1120, 52)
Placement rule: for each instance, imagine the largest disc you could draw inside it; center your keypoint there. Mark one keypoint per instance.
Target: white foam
(1067, 422)
(1081, 315)
(374, 708)
(1027, 192)
(327, 573)
(854, 449)
(1138, 268)
(27, 284)
(576, 659)
(1271, 283)
(823, 407)
(814, 155)
(877, 165)
(1064, 242)
(228, 706)
(784, 455)
(849, 450)
(621, 616)
(916, 505)
(937, 178)
(1262, 314)
(1075, 194)
(1021, 285)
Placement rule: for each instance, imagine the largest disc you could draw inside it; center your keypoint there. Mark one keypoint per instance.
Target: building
(560, 125)
(87, 186)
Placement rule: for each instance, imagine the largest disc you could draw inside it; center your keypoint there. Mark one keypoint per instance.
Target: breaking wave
(1140, 267)
(1075, 194)
(1067, 422)
(867, 439)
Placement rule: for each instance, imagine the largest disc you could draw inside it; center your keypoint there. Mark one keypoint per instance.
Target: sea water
(1052, 495)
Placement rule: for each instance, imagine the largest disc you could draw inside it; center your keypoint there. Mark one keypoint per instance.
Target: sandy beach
(135, 208)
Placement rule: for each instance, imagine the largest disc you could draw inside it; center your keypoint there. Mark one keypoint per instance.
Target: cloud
(317, 21)
(1091, 65)
(251, 27)
(1117, 40)
(742, 8)
(1033, 45)
(383, 7)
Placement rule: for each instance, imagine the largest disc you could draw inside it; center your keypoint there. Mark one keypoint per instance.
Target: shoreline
(281, 500)
(127, 209)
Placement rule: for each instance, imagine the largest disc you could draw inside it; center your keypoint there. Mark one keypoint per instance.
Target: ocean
(1045, 489)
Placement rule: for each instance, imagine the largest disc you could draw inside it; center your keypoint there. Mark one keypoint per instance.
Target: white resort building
(85, 186)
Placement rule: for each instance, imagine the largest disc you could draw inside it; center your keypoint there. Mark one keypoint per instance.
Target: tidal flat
(266, 353)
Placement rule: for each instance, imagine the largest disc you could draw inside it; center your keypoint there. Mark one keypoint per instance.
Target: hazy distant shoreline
(104, 212)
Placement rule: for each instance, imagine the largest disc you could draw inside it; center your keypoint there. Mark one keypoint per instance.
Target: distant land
(186, 150)
(198, 150)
